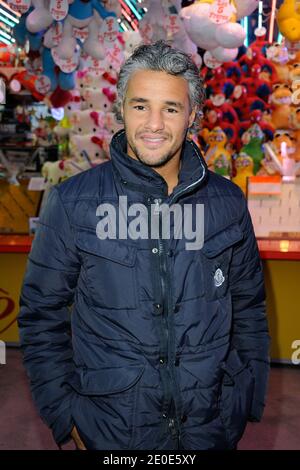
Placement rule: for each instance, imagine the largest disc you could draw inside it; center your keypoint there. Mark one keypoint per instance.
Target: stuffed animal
(281, 100)
(212, 25)
(102, 99)
(88, 147)
(40, 18)
(87, 122)
(253, 139)
(217, 157)
(279, 56)
(53, 172)
(132, 40)
(243, 165)
(281, 152)
(288, 20)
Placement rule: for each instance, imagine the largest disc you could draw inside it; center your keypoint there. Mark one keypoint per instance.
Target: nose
(154, 121)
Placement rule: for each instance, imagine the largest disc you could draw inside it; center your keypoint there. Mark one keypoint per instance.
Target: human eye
(139, 107)
(172, 111)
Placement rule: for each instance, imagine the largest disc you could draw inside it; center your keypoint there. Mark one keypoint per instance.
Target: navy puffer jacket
(143, 344)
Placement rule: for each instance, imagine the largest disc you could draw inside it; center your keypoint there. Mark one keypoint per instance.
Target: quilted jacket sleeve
(250, 329)
(44, 318)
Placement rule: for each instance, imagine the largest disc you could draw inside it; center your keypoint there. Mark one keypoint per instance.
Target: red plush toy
(256, 87)
(244, 104)
(257, 117)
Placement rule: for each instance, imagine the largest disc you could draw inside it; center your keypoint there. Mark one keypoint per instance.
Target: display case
(274, 204)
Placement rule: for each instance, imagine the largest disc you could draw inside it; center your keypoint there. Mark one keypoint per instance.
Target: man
(169, 345)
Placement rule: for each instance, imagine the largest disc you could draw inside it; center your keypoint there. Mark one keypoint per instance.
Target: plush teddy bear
(213, 26)
(102, 99)
(87, 122)
(88, 147)
(132, 40)
(53, 172)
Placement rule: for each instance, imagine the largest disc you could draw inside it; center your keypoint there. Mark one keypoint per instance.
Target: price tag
(95, 66)
(57, 30)
(66, 65)
(42, 84)
(37, 65)
(37, 183)
(81, 33)
(115, 56)
(146, 31)
(210, 61)
(221, 11)
(109, 29)
(172, 24)
(59, 9)
(22, 6)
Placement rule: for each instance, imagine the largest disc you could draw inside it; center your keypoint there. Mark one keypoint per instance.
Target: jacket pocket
(236, 396)
(109, 271)
(103, 409)
(216, 258)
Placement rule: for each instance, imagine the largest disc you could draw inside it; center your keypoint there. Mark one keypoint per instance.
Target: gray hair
(161, 57)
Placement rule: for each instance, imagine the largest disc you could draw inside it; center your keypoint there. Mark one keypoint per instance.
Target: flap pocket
(221, 241)
(109, 271)
(106, 381)
(110, 249)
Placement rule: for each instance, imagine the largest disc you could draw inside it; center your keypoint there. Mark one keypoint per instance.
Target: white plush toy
(40, 18)
(111, 125)
(212, 25)
(88, 147)
(87, 122)
(53, 172)
(101, 99)
(132, 40)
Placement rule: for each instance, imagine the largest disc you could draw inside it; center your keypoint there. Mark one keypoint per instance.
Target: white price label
(43, 84)
(221, 11)
(210, 61)
(22, 6)
(59, 9)
(36, 183)
(115, 56)
(146, 31)
(109, 29)
(57, 30)
(172, 24)
(81, 33)
(66, 65)
(95, 66)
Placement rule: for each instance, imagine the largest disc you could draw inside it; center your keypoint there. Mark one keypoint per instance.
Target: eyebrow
(137, 99)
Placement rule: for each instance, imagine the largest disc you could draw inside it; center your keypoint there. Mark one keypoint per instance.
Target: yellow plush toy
(244, 168)
(217, 157)
(288, 19)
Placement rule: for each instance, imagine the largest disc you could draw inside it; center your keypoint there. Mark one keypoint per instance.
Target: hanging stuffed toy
(212, 25)
(288, 20)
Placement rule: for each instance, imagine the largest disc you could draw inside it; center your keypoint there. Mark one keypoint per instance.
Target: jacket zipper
(171, 422)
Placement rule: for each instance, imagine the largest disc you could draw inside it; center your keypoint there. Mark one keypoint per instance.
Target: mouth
(152, 141)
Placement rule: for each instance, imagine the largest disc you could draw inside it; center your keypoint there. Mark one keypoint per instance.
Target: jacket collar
(143, 178)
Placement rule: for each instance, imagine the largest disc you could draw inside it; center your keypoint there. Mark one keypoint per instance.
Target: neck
(170, 172)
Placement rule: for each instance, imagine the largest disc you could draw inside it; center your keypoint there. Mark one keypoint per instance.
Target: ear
(122, 110)
(192, 117)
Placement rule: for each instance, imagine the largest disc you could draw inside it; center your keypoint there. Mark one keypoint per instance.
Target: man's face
(156, 113)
